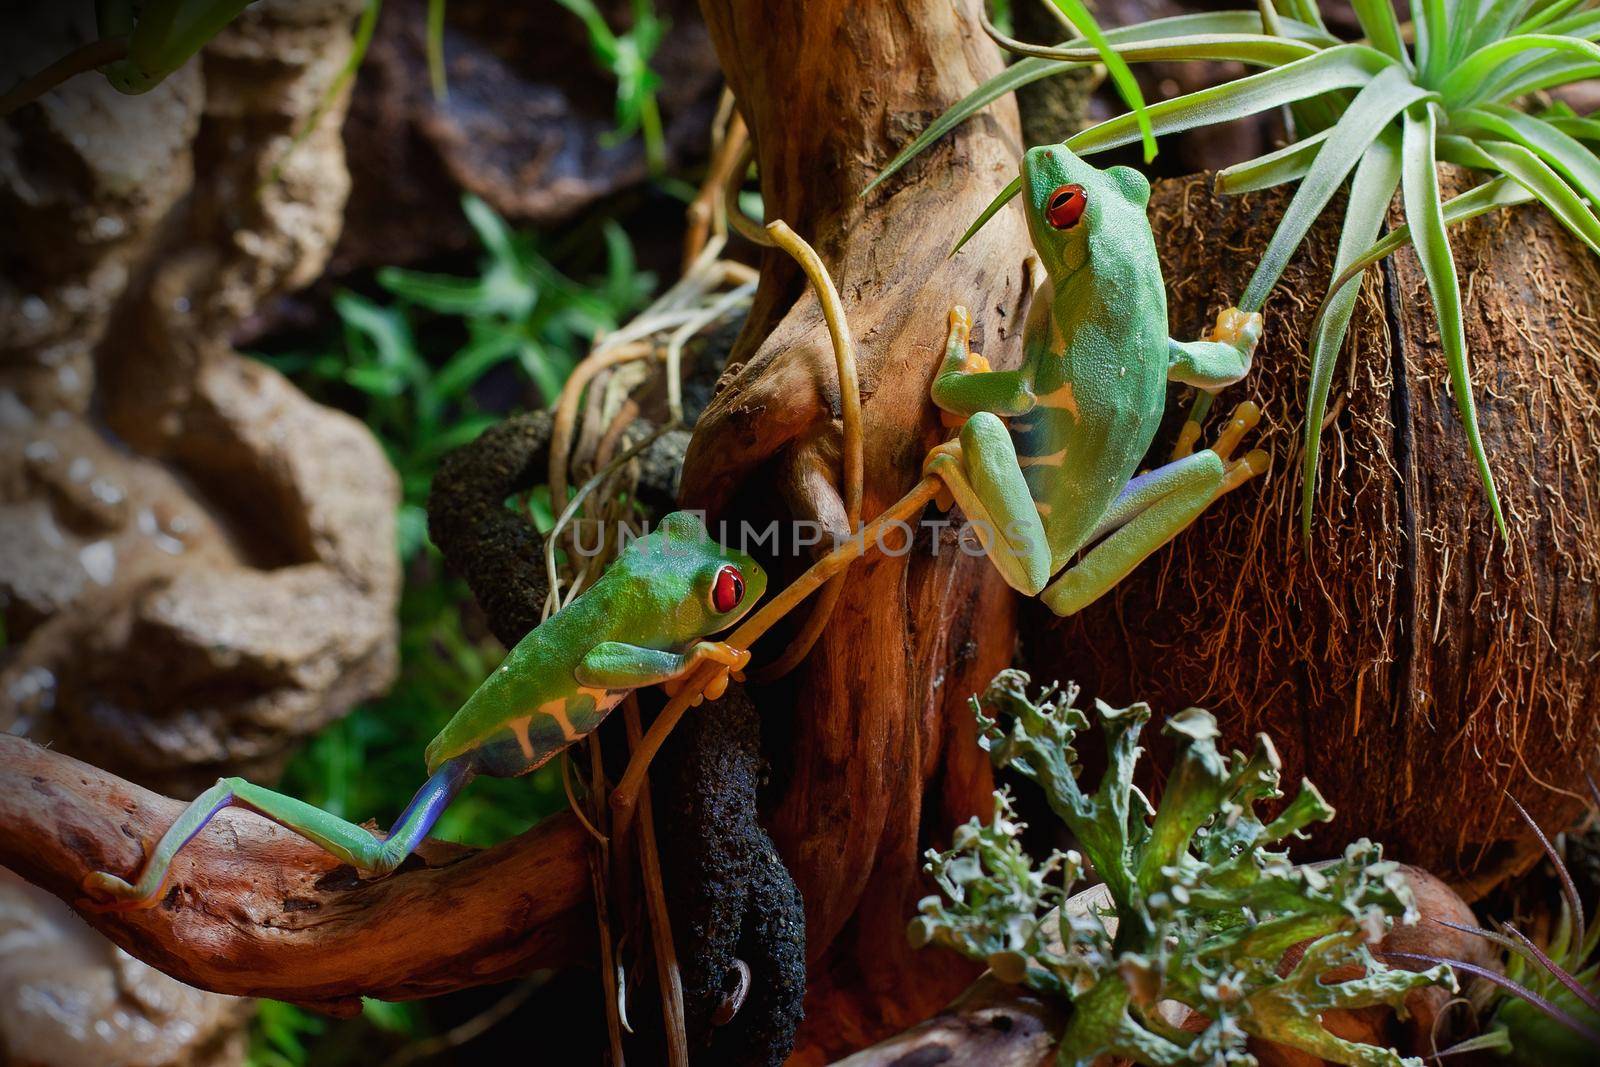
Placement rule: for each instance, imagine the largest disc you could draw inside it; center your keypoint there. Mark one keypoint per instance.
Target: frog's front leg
(1153, 509)
(618, 665)
(1217, 360)
(965, 385)
(982, 472)
(353, 844)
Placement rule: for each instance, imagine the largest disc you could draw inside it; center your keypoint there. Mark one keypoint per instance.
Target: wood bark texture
(871, 738)
(255, 910)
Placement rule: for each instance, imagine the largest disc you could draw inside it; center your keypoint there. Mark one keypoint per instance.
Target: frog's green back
(1097, 350)
(532, 705)
(654, 596)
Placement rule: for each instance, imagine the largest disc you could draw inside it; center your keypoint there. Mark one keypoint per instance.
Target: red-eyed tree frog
(1056, 477)
(643, 623)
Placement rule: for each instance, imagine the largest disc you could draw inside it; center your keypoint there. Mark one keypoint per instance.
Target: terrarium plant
(1202, 903)
(1378, 113)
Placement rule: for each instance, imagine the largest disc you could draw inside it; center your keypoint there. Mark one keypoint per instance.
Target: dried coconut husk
(1408, 661)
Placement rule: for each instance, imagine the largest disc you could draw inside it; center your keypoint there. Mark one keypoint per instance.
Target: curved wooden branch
(255, 910)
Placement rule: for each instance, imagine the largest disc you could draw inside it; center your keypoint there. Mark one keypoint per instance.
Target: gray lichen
(1203, 903)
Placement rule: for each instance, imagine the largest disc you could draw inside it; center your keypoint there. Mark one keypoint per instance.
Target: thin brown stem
(655, 895)
(90, 57)
(705, 213)
(566, 416)
(851, 459)
(599, 862)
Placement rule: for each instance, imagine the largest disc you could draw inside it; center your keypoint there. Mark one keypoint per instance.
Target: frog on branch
(641, 624)
(1044, 464)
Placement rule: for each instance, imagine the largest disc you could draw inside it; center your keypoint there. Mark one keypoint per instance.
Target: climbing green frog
(1057, 476)
(643, 623)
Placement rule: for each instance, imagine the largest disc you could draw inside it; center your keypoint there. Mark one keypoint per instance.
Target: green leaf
(1578, 127)
(435, 47)
(1494, 23)
(1174, 30)
(601, 39)
(1467, 81)
(1585, 24)
(548, 370)
(335, 90)
(1013, 187)
(1490, 196)
(1463, 152)
(1373, 188)
(1378, 22)
(1433, 37)
(447, 294)
(1273, 168)
(1271, 21)
(1541, 72)
(1564, 153)
(1348, 66)
(1372, 110)
(491, 229)
(1306, 11)
(1533, 174)
(385, 329)
(1253, 49)
(1116, 67)
(1420, 187)
(1548, 14)
(404, 1019)
(486, 351)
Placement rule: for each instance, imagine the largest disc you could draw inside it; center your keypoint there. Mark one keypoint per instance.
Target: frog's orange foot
(713, 689)
(1252, 465)
(1245, 418)
(735, 659)
(1237, 328)
(108, 893)
(1188, 435)
(960, 321)
(943, 457)
(732, 660)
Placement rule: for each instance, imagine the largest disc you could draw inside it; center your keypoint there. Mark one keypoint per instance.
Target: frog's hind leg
(351, 843)
(984, 477)
(1152, 510)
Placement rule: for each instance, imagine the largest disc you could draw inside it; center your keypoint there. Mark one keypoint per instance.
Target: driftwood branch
(253, 909)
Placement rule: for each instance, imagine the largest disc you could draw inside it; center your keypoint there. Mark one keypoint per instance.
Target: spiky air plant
(1202, 906)
(1545, 1009)
(1378, 114)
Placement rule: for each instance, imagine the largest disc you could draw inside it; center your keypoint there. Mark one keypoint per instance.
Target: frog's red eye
(727, 590)
(1065, 206)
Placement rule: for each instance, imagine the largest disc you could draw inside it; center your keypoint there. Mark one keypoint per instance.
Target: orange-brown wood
(255, 910)
(874, 757)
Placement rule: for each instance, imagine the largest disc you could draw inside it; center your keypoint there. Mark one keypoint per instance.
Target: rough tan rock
(197, 566)
(70, 998)
(197, 563)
